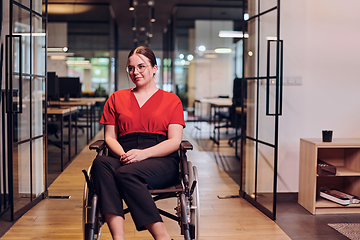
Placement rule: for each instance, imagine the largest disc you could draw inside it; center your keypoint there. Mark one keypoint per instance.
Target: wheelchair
(187, 211)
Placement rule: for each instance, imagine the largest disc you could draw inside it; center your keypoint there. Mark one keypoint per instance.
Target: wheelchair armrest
(186, 145)
(98, 145)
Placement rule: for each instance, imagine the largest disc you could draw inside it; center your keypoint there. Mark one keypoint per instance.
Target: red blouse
(160, 110)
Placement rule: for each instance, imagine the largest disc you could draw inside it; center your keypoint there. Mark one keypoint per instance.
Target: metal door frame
(276, 114)
(7, 209)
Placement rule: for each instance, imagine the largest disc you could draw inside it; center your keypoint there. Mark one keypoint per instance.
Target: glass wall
(94, 74)
(23, 91)
(262, 105)
(198, 61)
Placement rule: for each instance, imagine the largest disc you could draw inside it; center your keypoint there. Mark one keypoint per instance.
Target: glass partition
(199, 62)
(262, 104)
(23, 145)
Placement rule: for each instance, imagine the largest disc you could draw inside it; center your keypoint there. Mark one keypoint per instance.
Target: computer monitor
(69, 87)
(52, 87)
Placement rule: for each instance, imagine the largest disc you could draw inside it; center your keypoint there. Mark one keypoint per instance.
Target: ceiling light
(223, 50)
(246, 16)
(78, 63)
(271, 38)
(134, 24)
(150, 34)
(190, 57)
(233, 34)
(202, 48)
(84, 62)
(27, 34)
(66, 8)
(131, 6)
(152, 14)
(55, 49)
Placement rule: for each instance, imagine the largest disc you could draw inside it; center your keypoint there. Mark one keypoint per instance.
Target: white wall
(321, 45)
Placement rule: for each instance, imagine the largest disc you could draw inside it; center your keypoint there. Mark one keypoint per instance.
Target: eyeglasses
(140, 68)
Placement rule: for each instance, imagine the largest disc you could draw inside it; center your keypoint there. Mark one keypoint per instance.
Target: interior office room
(259, 80)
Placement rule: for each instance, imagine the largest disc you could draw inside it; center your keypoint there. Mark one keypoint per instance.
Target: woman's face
(140, 70)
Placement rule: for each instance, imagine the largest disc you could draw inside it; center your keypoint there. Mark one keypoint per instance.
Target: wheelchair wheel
(92, 223)
(184, 217)
(194, 204)
(85, 204)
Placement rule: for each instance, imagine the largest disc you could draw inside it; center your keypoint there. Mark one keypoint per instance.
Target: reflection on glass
(267, 29)
(76, 68)
(250, 104)
(265, 176)
(167, 75)
(266, 123)
(38, 167)
(251, 49)
(21, 175)
(100, 76)
(268, 4)
(37, 6)
(259, 157)
(21, 27)
(21, 120)
(25, 3)
(38, 94)
(38, 52)
(249, 168)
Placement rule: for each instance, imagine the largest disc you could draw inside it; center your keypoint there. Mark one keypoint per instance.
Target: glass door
(262, 84)
(24, 76)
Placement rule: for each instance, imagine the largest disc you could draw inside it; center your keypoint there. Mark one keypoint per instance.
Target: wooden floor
(230, 219)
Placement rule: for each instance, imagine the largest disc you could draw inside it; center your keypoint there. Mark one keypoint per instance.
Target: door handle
(9, 75)
(279, 77)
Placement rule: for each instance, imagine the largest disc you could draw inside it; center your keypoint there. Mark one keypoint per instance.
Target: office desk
(216, 104)
(79, 102)
(62, 112)
(99, 104)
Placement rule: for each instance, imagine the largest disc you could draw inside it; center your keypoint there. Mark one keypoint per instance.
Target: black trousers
(115, 182)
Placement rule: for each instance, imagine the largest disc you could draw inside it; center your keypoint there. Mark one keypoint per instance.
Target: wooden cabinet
(342, 153)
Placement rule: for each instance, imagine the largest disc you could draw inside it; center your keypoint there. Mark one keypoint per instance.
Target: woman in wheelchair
(143, 131)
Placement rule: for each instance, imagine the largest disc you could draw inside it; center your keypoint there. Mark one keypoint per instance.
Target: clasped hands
(133, 155)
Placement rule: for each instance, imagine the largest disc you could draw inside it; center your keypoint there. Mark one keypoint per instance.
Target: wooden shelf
(342, 153)
(323, 203)
(344, 171)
